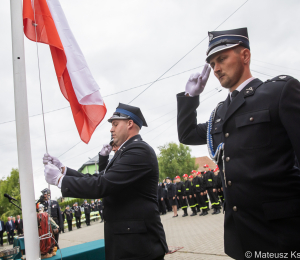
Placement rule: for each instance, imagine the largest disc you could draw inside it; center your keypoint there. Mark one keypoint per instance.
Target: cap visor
(218, 49)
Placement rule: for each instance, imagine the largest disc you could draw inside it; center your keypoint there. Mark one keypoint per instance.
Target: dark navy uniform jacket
(132, 226)
(261, 132)
(77, 211)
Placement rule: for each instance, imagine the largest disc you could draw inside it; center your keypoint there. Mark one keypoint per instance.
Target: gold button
(251, 119)
(227, 134)
(216, 128)
(234, 208)
(227, 159)
(229, 183)
(128, 229)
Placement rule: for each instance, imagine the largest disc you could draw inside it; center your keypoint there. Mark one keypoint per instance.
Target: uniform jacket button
(128, 229)
(227, 159)
(251, 119)
(227, 135)
(229, 183)
(67, 189)
(234, 208)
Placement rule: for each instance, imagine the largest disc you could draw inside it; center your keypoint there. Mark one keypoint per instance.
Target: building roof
(92, 161)
(201, 161)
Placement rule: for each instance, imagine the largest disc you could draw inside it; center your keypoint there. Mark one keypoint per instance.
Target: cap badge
(282, 77)
(218, 120)
(211, 36)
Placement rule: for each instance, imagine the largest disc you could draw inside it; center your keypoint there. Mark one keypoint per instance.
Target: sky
(131, 43)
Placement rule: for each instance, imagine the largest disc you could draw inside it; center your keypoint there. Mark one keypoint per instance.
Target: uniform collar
(242, 86)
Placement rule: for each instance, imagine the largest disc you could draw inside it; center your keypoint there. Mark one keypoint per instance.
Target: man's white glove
(105, 151)
(52, 174)
(53, 160)
(197, 82)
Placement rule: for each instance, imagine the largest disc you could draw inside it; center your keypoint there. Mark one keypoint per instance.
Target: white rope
(215, 156)
(43, 114)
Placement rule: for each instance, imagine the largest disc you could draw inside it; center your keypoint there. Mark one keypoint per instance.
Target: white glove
(197, 82)
(51, 159)
(105, 151)
(52, 174)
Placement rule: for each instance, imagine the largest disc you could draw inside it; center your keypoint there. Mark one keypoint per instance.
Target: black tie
(234, 94)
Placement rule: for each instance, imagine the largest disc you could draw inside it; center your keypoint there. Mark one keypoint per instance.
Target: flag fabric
(44, 21)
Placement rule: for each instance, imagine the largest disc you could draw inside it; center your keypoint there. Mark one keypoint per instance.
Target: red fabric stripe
(86, 118)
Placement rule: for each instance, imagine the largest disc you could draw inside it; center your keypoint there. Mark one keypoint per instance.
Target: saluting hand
(105, 151)
(197, 82)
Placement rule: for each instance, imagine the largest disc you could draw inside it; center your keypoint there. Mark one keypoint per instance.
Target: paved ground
(200, 237)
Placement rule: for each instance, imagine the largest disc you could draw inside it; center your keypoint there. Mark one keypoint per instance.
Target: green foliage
(175, 160)
(11, 186)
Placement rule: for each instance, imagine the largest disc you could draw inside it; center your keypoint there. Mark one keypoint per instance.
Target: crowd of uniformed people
(194, 190)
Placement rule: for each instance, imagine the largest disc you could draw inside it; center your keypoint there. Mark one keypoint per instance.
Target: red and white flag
(44, 21)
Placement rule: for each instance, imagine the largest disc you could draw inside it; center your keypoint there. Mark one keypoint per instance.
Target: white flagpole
(32, 244)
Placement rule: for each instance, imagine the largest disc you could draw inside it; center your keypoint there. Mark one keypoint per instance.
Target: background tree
(11, 186)
(175, 160)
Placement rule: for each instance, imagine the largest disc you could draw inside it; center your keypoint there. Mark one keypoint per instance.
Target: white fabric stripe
(85, 87)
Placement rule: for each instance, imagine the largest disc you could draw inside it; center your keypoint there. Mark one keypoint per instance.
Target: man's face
(228, 67)
(18, 217)
(8, 219)
(194, 174)
(14, 218)
(185, 178)
(168, 180)
(119, 130)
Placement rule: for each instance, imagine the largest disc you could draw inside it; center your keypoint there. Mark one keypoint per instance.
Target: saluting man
(87, 212)
(77, 213)
(128, 186)
(254, 133)
(69, 216)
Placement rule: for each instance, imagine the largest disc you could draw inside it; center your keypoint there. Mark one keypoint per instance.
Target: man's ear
(130, 124)
(246, 55)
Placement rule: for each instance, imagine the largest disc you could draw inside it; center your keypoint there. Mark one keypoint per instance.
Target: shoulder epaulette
(280, 78)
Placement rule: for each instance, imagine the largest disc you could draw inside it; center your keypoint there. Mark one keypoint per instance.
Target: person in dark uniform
(181, 195)
(254, 134)
(69, 216)
(63, 220)
(204, 177)
(87, 212)
(93, 207)
(218, 182)
(99, 204)
(172, 196)
(198, 190)
(55, 212)
(160, 200)
(212, 191)
(128, 186)
(189, 193)
(77, 213)
(197, 205)
(166, 198)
